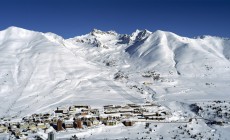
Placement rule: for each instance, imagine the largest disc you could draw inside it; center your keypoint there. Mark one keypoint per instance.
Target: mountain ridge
(114, 32)
(31, 60)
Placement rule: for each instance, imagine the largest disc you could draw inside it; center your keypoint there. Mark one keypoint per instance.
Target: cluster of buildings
(83, 116)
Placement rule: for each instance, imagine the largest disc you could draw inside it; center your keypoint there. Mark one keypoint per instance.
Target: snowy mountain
(163, 51)
(41, 71)
(185, 56)
(38, 70)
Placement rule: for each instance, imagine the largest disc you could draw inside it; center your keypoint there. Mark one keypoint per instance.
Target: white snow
(41, 71)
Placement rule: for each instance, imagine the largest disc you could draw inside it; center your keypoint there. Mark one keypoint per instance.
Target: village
(80, 117)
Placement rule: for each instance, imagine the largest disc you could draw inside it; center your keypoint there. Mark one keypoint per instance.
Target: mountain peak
(140, 34)
(99, 32)
(159, 31)
(16, 32)
(141, 31)
(96, 31)
(16, 29)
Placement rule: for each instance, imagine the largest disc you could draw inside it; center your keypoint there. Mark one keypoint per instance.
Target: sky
(69, 18)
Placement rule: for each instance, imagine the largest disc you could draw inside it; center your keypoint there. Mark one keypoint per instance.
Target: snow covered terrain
(41, 71)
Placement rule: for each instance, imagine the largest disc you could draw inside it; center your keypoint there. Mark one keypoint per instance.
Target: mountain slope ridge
(44, 66)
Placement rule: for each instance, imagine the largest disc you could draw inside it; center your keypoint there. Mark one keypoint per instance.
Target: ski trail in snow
(23, 78)
(121, 91)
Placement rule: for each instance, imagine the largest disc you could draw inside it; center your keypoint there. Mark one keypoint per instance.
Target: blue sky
(70, 18)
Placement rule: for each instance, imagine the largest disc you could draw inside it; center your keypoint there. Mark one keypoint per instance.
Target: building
(41, 126)
(128, 123)
(51, 136)
(61, 110)
(78, 123)
(126, 110)
(134, 105)
(127, 115)
(88, 123)
(95, 111)
(3, 129)
(33, 127)
(59, 125)
(111, 111)
(69, 124)
(111, 122)
(82, 106)
(95, 122)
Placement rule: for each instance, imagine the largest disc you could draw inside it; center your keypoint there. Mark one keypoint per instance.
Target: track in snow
(122, 91)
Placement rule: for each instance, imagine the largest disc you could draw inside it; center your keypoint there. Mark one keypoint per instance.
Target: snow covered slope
(41, 71)
(188, 68)
(36, 65)
(166, 51)
(38, 72)
(163, 51)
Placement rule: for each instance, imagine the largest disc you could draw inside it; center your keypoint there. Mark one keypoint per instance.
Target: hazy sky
(69, 18)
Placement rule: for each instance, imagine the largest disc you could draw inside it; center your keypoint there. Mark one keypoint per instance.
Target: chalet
(46, 121)
(126, 107)
(78, 123)
(126, 115)
(161, 118)
(24, 125)
(25, 119)
(77, 115)
(46, 115)
(111, 111)
(69, 124)
(126, 110)
(164, 113)
(117, 107)
(33, 127)
(3, 129)
(65, 112)
(85, 110)
(94, 111)
(31, 120)
(82, 106)
(41, 126)
(17, 133)
(60, 115)
(111, 122)
(32, 116)
(13, 127)
(54, 120)
(128, 123)
(72, 108)
(84, 113)
(149, 105)
(61, 110)
(138, 110)
(150, 114)
(36, 119)
(88, 123)
(114, 116)
(66, 118)
(134, 105)
(95, 122)
(59, 125)
(106, 107)
(103, 118)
